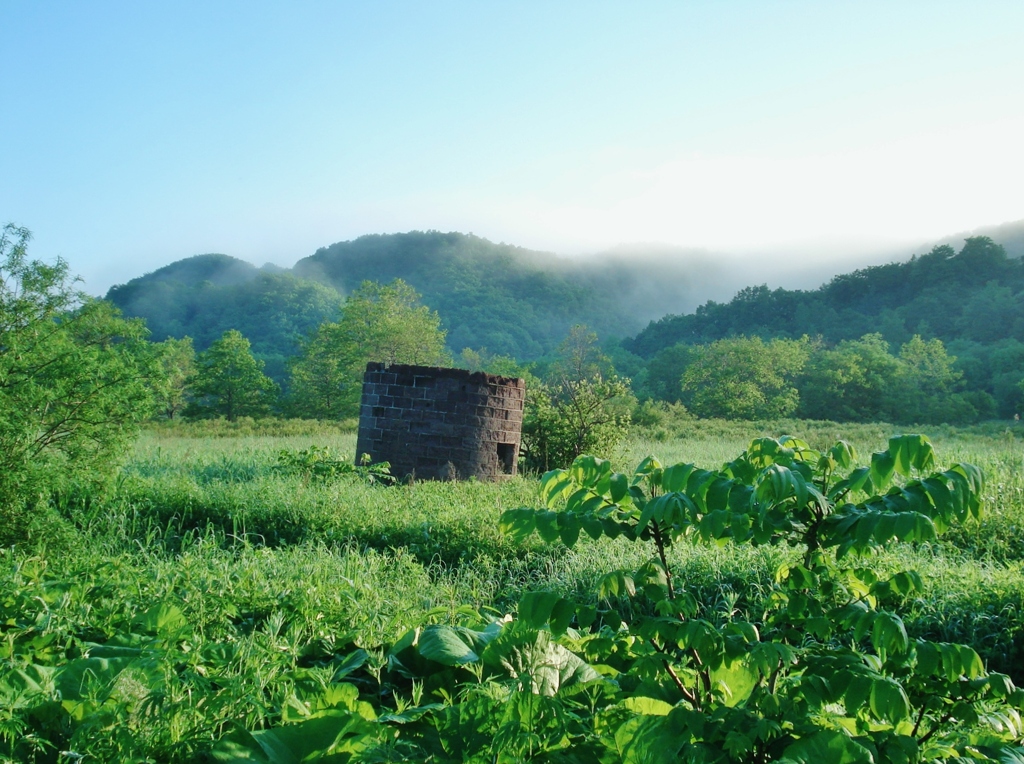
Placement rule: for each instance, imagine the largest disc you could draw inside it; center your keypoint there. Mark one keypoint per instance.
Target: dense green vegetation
(216, 588)
(935, 339)
(204, 296)
(500, 298)
(506, 299)
(379, 323)
(75, 382)
(243, 592)
(858, 380)
(971, 300)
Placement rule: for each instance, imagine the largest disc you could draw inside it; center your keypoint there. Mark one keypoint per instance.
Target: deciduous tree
(745, 378)
(380, 322)
(74, 382)
(178, 364)
(230, 382)
(582, 407)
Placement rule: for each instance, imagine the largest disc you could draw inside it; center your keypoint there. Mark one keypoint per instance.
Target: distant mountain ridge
(511, 300)
(507, 299)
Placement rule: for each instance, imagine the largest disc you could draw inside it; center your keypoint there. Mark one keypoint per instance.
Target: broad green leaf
(555, 486)
(568, 528)
(619, 487)
(163, 619)
(547, 524)
(638, 704)
(675, 478)
(827, 747)
(81, 678)
(561, 616)
(535, 607)
(734, 681)
(338, 732)
(888, 700)
(23, 686)
(912, 452)
(532, 657)
(858, 480)
(585, 616)
(648, 467)
(883, 465)
(519, 523)
(446, 645)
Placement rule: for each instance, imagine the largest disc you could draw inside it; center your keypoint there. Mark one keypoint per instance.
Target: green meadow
(212, 587)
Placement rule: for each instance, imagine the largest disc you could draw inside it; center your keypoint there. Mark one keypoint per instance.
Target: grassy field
(243, 583)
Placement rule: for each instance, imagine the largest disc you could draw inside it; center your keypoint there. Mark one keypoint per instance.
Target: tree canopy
(745, 378)
(380, 322)
(74, 381)
(230, 382)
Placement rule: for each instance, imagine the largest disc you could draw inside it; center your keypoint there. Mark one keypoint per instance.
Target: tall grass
(276, 574)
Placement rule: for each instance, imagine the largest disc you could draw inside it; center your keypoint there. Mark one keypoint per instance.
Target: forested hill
(507, 299)
(510, 300)
(204, 296)
(975, 295)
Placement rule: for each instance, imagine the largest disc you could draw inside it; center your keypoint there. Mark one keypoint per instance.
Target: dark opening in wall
(507, 457)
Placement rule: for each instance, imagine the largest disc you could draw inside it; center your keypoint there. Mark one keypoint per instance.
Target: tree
(745, 378)
(852, 383)
(665, 372)
(931, 385)
(230, 381)
(380, 322)
(178, 364)
(74, 382)
(387, 323)
(862, 381)
(578, 409)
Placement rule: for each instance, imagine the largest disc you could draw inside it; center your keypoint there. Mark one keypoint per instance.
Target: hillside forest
(936, 339)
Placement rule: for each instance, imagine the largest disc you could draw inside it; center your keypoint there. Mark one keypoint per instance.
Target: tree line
(859, 380)
(972, 301)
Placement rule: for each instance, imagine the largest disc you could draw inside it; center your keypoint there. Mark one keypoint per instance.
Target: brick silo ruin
(444, 424)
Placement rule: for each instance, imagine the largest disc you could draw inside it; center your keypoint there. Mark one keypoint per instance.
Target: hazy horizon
(793, 139)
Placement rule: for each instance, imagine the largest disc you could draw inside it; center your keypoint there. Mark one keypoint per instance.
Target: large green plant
(827, 672)
(583, 407)
(380, 322)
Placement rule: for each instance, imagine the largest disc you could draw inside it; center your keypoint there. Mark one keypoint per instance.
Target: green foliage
(318, 463)
(971, 301)
(516, 302)
(828, 671)
(854, 382)
(744, 378)
(382, 323)
(74, 382)
(932, 291)
(178, 366)
(214, 606)
(578, 409)
(229, 382)
(204, 296)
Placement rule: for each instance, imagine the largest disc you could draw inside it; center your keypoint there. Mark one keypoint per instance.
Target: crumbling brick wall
(437, 423)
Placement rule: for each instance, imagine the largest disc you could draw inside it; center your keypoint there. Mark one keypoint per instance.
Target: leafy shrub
(825, 672)
(562, 421)
(317, 463)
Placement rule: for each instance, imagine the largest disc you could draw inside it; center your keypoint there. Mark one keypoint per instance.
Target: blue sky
(135, 134)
